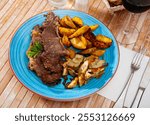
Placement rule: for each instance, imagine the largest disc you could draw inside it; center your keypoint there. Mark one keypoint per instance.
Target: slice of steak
(47, 64)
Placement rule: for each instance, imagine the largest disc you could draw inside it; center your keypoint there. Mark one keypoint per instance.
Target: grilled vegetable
(66, 41)
(72, 72)
(81, 80)
(98, 63)
(94, 27)
(35, 49)
(80, 31)
(72, 84)
(75, 62)
(83, 68)
(69, 22)
(89, 44)
(65, 71)
(77, 21)
(66, 31)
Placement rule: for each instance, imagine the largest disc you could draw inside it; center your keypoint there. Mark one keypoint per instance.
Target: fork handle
(122, 97)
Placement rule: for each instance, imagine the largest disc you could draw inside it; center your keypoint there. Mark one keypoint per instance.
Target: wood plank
(3, 59)
(4, 70)
(91, 101)
(19, 97)
(33, 101)
(99, 101)
(7, 90)
(82, 103)
(2, 4)
(106, 103)
(26, 100)
(40, 103)
(12, 95)
(6, 80)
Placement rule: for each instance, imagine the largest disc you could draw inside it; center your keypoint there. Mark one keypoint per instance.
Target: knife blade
(141, 89)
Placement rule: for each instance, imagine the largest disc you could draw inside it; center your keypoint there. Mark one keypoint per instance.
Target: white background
(7, 116)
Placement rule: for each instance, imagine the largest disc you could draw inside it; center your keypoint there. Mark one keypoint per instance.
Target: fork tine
(142, 55)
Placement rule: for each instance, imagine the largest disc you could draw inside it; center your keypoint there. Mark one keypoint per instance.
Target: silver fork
(135, 65)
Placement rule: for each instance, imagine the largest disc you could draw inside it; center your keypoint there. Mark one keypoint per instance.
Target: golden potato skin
(94, 27)
(88, 51)
(80, 31)
(78, 21)
(102, 42)
(77, 43)
(98, 52)
(66, 31)
(69, 22)
(72, 53)
(66, 41)
(62, 22)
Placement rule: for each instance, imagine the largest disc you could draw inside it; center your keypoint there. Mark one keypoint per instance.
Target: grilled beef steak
(47, 64)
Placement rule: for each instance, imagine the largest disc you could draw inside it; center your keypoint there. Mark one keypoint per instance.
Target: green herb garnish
(35, 49)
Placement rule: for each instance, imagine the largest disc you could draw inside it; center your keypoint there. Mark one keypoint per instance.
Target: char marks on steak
(47, 64)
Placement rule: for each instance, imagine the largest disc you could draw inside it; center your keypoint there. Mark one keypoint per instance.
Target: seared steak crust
(47, 64)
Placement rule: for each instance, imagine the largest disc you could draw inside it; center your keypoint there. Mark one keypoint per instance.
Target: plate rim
(55, 99)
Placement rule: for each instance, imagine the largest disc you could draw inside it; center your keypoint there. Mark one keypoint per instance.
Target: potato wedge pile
(84, 64)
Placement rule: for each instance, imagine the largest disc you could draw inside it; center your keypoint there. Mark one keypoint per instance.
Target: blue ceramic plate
(19, 60)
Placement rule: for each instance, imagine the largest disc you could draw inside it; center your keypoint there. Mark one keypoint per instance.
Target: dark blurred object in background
(136, 6)
(115, 2)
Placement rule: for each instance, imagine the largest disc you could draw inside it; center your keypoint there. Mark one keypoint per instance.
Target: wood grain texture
(14, 12)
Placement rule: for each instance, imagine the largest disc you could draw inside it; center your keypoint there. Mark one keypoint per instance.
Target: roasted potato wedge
(88, 51)
(98, 52)
(66, 31)
(62, 22)
(77, 43)
(72, 84)
(78, 21)
(94, 27)
(72, 53)
(79, 31)
(68, 21)
(89, 44)
(72, 72)
(66, 41)
(102, 42)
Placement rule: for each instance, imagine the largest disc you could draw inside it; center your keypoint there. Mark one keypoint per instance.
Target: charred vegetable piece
(98, 63)
(88, 51)
(83, 68)
(82, 80)
(94, 27)
(72, 53)
(91, 59)
(75, 62)
(66, 31)
(98, 52)
(66, 41)
(102, 42)
(72, 84)
(35, 49)
(77, 21)
(88, 74)
(72, 72)
(80, 31)
(69, 22)
(65, 71)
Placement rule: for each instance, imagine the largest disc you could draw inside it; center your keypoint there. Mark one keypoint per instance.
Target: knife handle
(138, 97)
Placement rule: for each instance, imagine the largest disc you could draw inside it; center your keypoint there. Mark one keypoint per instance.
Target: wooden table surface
(14, 12)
